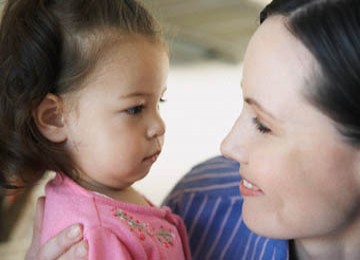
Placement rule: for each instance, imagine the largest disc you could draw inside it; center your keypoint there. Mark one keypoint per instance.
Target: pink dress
(113, 229)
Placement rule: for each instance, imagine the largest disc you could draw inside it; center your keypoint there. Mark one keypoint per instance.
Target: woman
(298, 136)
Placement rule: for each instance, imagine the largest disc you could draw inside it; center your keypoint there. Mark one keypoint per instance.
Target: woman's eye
(260, 127)
(135, 110)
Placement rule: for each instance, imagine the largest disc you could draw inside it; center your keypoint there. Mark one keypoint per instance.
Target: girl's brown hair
(50, 46)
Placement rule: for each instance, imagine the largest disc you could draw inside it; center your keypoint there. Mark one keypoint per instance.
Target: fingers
(65, 245)
(35, 241)
(78, 251)
(61, 243)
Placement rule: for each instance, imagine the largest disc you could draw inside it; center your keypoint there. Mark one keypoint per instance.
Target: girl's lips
(152, 158)
(249, 189)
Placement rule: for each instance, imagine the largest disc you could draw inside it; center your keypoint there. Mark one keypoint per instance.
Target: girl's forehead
(129, 68)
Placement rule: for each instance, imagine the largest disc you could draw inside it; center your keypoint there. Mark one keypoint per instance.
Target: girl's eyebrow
(134, 94)
(253, 102)
(140, 94)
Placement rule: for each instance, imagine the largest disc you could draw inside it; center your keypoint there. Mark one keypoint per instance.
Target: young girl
(81, 82)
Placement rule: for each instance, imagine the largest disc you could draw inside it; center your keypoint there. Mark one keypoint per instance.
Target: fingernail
(81, 250)
(74, 232)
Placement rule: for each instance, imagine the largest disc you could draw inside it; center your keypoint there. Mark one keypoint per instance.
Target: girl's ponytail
(30, 56)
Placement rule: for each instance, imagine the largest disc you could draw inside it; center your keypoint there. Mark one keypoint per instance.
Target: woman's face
(300, 179)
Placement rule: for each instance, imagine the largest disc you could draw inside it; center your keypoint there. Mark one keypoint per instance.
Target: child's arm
(68, 244)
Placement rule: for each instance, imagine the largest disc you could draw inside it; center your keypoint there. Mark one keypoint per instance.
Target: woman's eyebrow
(256, 104)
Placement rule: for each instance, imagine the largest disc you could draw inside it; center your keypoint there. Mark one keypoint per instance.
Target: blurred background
(207, 39)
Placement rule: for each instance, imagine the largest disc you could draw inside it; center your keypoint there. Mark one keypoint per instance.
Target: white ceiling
(207, 29)
(203, 29)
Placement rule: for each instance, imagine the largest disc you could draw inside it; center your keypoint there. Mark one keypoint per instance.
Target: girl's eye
(161, 100)
(134, 110)
(260, 127)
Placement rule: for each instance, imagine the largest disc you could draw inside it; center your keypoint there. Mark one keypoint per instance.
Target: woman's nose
(234, 144)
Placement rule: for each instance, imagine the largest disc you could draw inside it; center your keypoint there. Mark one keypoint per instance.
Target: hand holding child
(68, 244)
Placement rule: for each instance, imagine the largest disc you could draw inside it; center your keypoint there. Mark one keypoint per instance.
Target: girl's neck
(127, 194)
(344, 245)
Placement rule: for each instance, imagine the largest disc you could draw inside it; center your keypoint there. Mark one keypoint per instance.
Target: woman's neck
(345, 244)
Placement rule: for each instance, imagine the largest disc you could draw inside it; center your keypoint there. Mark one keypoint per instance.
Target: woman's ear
(48, 117)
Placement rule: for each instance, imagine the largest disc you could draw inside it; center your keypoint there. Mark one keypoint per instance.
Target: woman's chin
(264, 225)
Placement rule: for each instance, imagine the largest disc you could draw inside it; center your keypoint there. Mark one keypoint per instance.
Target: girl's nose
(156, 128)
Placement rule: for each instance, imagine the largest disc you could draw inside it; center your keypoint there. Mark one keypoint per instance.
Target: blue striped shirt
(209, 201)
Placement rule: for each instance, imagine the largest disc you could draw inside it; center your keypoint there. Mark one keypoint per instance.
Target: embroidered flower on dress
(165, 237)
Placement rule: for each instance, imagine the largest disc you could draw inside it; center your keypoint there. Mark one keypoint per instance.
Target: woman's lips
(249, 189)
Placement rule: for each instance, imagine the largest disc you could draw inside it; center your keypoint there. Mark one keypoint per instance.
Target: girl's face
(114, 128)
(299, 179)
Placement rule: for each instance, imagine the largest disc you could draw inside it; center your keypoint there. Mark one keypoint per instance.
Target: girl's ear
(48, 117)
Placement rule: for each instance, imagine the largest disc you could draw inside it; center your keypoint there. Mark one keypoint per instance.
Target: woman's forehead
(278, 69)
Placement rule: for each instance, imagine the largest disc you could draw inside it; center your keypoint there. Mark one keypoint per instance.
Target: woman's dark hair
(330, 30)
(50, 46)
